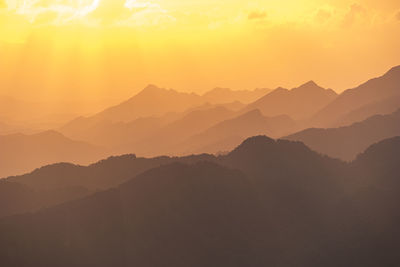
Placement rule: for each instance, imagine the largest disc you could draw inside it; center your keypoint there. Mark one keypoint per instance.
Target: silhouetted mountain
(298, 103)
(286, 205)
(15, 198)
(225, 95)
(378, 89)
(62, 182)
(225, 135)
(373, 238)
(201, 215)
(22, 153)
(347, 142)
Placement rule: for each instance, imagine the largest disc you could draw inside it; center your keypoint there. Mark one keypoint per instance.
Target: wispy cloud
(69, 11)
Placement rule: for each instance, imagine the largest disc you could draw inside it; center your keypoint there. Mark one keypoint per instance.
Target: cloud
(61, 12)
(257, 15)
(108, 11)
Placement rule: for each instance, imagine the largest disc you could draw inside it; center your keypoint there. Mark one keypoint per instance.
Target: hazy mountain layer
(375, 90)
(22, 153)
(347, 142)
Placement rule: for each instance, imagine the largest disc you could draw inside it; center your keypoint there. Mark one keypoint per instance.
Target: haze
(95, 53)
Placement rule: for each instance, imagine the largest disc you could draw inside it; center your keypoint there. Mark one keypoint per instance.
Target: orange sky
(102, 51)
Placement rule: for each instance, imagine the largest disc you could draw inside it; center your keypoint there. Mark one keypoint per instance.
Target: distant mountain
(373, 91)
(32, 117)
(225, 95)
(347, 142)
(141, 116)
(112, 134)
(299, 103)
(227, 134)
(167, 139)
(151, 101)
(233, 106)
(383, 107)
(6, 128)
(22, 153)
(152, 136)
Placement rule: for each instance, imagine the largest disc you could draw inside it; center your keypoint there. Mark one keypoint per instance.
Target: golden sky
(106, 50)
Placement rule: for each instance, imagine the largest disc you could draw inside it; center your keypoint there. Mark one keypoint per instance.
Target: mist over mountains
(160, 121)
(300, 177)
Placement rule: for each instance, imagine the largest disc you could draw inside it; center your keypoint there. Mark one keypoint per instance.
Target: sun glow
(112, 48)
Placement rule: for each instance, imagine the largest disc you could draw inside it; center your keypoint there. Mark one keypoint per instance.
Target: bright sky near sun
(110, 49)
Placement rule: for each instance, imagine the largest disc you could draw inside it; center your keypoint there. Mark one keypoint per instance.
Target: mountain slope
(150, 102)
(285, 205)
(22, 153)
(164, 140)
(63, 182)
(347, 142)
(374, 90)
(197, 215)
(225, 95)
(190, 215)
(225, 135)
(298, 103)
(382, 107)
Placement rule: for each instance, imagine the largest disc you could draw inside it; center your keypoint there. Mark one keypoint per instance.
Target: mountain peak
(260, 139)
(309, 85)
(152, 88)
(254, 143)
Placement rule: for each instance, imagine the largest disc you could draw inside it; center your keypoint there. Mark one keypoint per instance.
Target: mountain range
(266, 203)
(225, 95)
(299, 103)
(22, 153)
(376, 93)
(349, 141)
(184, 123)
